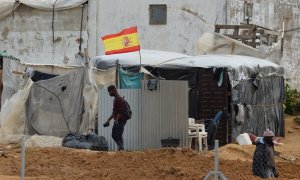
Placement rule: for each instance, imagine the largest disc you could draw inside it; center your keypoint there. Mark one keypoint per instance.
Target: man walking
(119, 107)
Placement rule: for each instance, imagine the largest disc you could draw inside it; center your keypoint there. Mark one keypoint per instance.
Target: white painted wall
(271, 14)
(180, 34)
(28, 36)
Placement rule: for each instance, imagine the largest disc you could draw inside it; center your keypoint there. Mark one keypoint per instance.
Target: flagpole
(141, 81)
(140, 61)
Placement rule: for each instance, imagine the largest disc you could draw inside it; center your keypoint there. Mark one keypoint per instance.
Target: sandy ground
(63, 163)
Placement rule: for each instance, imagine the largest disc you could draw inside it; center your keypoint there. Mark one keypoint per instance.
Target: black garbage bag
(89, 141)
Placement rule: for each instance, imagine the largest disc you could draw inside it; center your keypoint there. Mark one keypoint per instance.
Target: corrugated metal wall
(157, 115)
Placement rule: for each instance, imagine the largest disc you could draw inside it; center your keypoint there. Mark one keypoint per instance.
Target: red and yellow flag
(122, 42)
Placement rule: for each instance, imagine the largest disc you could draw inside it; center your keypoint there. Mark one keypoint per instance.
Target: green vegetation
(290, 100)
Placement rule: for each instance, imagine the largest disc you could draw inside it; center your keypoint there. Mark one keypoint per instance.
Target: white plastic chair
(197, 131)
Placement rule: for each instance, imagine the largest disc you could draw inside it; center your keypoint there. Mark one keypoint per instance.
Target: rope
(80, 39)
(62, 110)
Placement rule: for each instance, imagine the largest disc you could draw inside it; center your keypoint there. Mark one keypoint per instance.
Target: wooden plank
(251, 29)
(18, 73)
(243, 37)
(245, 26)
(274, 33)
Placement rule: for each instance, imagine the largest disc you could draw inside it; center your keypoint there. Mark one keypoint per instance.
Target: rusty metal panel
(212, 99)
(157, 115)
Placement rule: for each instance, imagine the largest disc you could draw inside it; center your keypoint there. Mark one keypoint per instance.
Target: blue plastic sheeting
(3, 54)
(129, 80)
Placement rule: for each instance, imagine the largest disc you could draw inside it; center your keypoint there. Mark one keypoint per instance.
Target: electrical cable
(53, 20)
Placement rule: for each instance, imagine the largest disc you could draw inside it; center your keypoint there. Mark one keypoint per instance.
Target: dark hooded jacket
(263, 160)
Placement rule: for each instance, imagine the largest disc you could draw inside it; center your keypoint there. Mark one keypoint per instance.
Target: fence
(157, 114)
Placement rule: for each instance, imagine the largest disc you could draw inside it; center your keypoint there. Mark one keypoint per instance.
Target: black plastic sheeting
(37, 76)
(258, 105)
(90, 141)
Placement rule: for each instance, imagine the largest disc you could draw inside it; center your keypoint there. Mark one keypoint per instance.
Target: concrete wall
(186, 21)
(271, 14)
(28, 36)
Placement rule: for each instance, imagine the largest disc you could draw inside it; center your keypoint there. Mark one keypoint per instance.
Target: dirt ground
(63, 163)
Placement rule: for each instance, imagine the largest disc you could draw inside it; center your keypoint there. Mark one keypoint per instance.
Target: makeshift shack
(249, 91)
(61, 101)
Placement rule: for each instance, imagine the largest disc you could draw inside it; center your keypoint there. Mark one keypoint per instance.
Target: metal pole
(23, 157)
(140, 60)
(216, 160)
(117, 73)
(216, 166)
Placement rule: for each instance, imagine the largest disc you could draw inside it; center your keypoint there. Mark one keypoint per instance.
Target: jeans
(117, 133)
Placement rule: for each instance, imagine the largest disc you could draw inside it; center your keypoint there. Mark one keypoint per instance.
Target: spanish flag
(122, 42)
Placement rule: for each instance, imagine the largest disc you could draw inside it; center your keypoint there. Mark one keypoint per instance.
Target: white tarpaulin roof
(7, 6)
(149, 58)
(239, 67)
(209, 61)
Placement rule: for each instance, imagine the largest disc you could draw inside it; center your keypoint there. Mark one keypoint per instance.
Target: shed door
(213, 98)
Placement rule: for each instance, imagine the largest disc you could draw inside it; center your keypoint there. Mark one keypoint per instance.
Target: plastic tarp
(239, 67)
(3, 54)
(48, 4)
(13, 116)
(51, 111)
(129, 80)
(105, 77)
(258, 107)
(35, 109)
(215, 43)
(43, 141)
(11, 82)
(148, 58)
(6, 6)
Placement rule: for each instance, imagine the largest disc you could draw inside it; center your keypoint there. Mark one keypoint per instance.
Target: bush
(290, 100)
